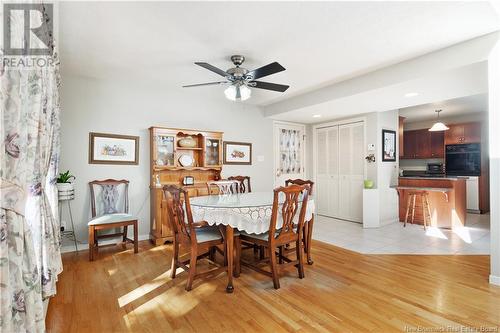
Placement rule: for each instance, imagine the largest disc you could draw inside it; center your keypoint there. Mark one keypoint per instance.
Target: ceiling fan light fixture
(230, 92)
(241, 80)
(245, 92)
(238, 92)
(438, 126)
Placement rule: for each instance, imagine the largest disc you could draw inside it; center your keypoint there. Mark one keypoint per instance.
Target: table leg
(230, 258)
(309, 240)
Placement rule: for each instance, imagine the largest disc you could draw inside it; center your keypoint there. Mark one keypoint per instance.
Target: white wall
(387, 172)
(130, 108)
(494, 134)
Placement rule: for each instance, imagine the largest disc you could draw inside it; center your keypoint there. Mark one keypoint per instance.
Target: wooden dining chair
(308, 225)
(242, 187)
(198, 237)
(223, 186)
(291, 213)
(107, 214)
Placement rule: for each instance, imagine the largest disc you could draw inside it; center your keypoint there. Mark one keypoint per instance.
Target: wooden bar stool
(426, 209)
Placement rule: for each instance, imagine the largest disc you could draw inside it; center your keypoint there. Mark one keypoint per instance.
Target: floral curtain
(290, 159)
(30, 257)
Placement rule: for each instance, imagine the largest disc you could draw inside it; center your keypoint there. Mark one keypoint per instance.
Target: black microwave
(463, 160)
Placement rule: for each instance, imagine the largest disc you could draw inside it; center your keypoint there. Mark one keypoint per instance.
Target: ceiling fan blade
(269, 86)
(212, 68)
(266, 70)
(204, 84)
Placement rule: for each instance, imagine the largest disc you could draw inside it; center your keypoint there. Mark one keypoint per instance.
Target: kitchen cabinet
(410, 144)
(437, 144)
(423, 138)
(421, 144)
(463, 133)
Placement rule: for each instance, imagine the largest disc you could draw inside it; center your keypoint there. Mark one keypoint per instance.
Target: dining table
(249, 212)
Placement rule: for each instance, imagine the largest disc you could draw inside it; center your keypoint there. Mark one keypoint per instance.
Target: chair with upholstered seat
(198, 237)
(106, 212)
(291, 214)
(242, 187)
(308, 225)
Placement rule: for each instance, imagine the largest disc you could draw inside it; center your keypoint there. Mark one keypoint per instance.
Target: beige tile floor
(395, 239)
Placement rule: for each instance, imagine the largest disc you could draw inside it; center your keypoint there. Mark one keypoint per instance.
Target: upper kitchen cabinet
(437, 144)
(409, 144)
(423, 137)
(463, 133)
(416, 144)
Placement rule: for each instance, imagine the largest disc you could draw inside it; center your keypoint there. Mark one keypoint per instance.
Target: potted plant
(64, 184)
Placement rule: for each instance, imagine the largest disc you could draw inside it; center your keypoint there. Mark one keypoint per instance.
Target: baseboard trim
(495, 280)
(85, 246)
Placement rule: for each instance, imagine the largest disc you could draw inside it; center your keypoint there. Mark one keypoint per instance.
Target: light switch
(371, 147)
(260, 158)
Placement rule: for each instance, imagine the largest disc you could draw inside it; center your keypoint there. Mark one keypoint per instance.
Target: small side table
(66, 197)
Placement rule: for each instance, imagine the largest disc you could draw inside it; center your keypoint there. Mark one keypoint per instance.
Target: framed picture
(388, 146)
(113, 149)
(237, 153)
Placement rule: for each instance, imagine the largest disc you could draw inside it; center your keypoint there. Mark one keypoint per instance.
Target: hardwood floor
(343, 291)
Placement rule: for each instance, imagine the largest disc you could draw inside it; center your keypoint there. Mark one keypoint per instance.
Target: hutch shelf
(166, 153)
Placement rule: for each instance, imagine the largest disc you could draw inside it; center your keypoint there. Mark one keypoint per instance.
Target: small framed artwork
(237, 153)
(388, 146)
(113, 149)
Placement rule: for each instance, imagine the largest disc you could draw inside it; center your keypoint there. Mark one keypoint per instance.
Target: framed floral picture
(237, 153)
(113, 149)
(388, 146)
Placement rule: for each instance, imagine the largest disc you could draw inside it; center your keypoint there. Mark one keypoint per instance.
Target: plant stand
(67, 196)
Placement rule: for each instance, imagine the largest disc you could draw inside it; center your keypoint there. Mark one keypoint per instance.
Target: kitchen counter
(452, 178)
(447, 199)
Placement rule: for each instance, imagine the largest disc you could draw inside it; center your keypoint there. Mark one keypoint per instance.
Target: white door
(340, 169)
(289, 152)
(327, 179)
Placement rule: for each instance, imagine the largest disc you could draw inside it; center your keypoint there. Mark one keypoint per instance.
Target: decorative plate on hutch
(186, 160)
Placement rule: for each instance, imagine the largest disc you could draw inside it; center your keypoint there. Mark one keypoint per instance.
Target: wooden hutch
(165, 153)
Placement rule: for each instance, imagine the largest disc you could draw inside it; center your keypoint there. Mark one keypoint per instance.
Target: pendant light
(438, 126)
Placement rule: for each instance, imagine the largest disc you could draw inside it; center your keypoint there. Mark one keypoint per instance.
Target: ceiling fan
(240, 80)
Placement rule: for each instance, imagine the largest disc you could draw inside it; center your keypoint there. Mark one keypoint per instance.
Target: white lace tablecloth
(250, 212)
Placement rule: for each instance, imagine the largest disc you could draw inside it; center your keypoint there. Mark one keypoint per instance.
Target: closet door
(351, 171)
(333, 170)
(322, 176)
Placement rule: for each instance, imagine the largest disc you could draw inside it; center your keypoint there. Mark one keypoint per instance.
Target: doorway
(289, 152)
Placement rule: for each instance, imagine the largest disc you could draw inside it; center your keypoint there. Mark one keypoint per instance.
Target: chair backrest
(179, 209)
(290, 196)
(108, 196)
(224, 186)
(301, 182)
(242, 188)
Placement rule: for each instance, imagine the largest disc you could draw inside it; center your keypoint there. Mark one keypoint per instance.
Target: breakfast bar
(447, 200)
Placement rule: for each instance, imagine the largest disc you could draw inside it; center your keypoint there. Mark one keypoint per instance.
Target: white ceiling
(451, 108)
(319, 43)
(442, 85)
